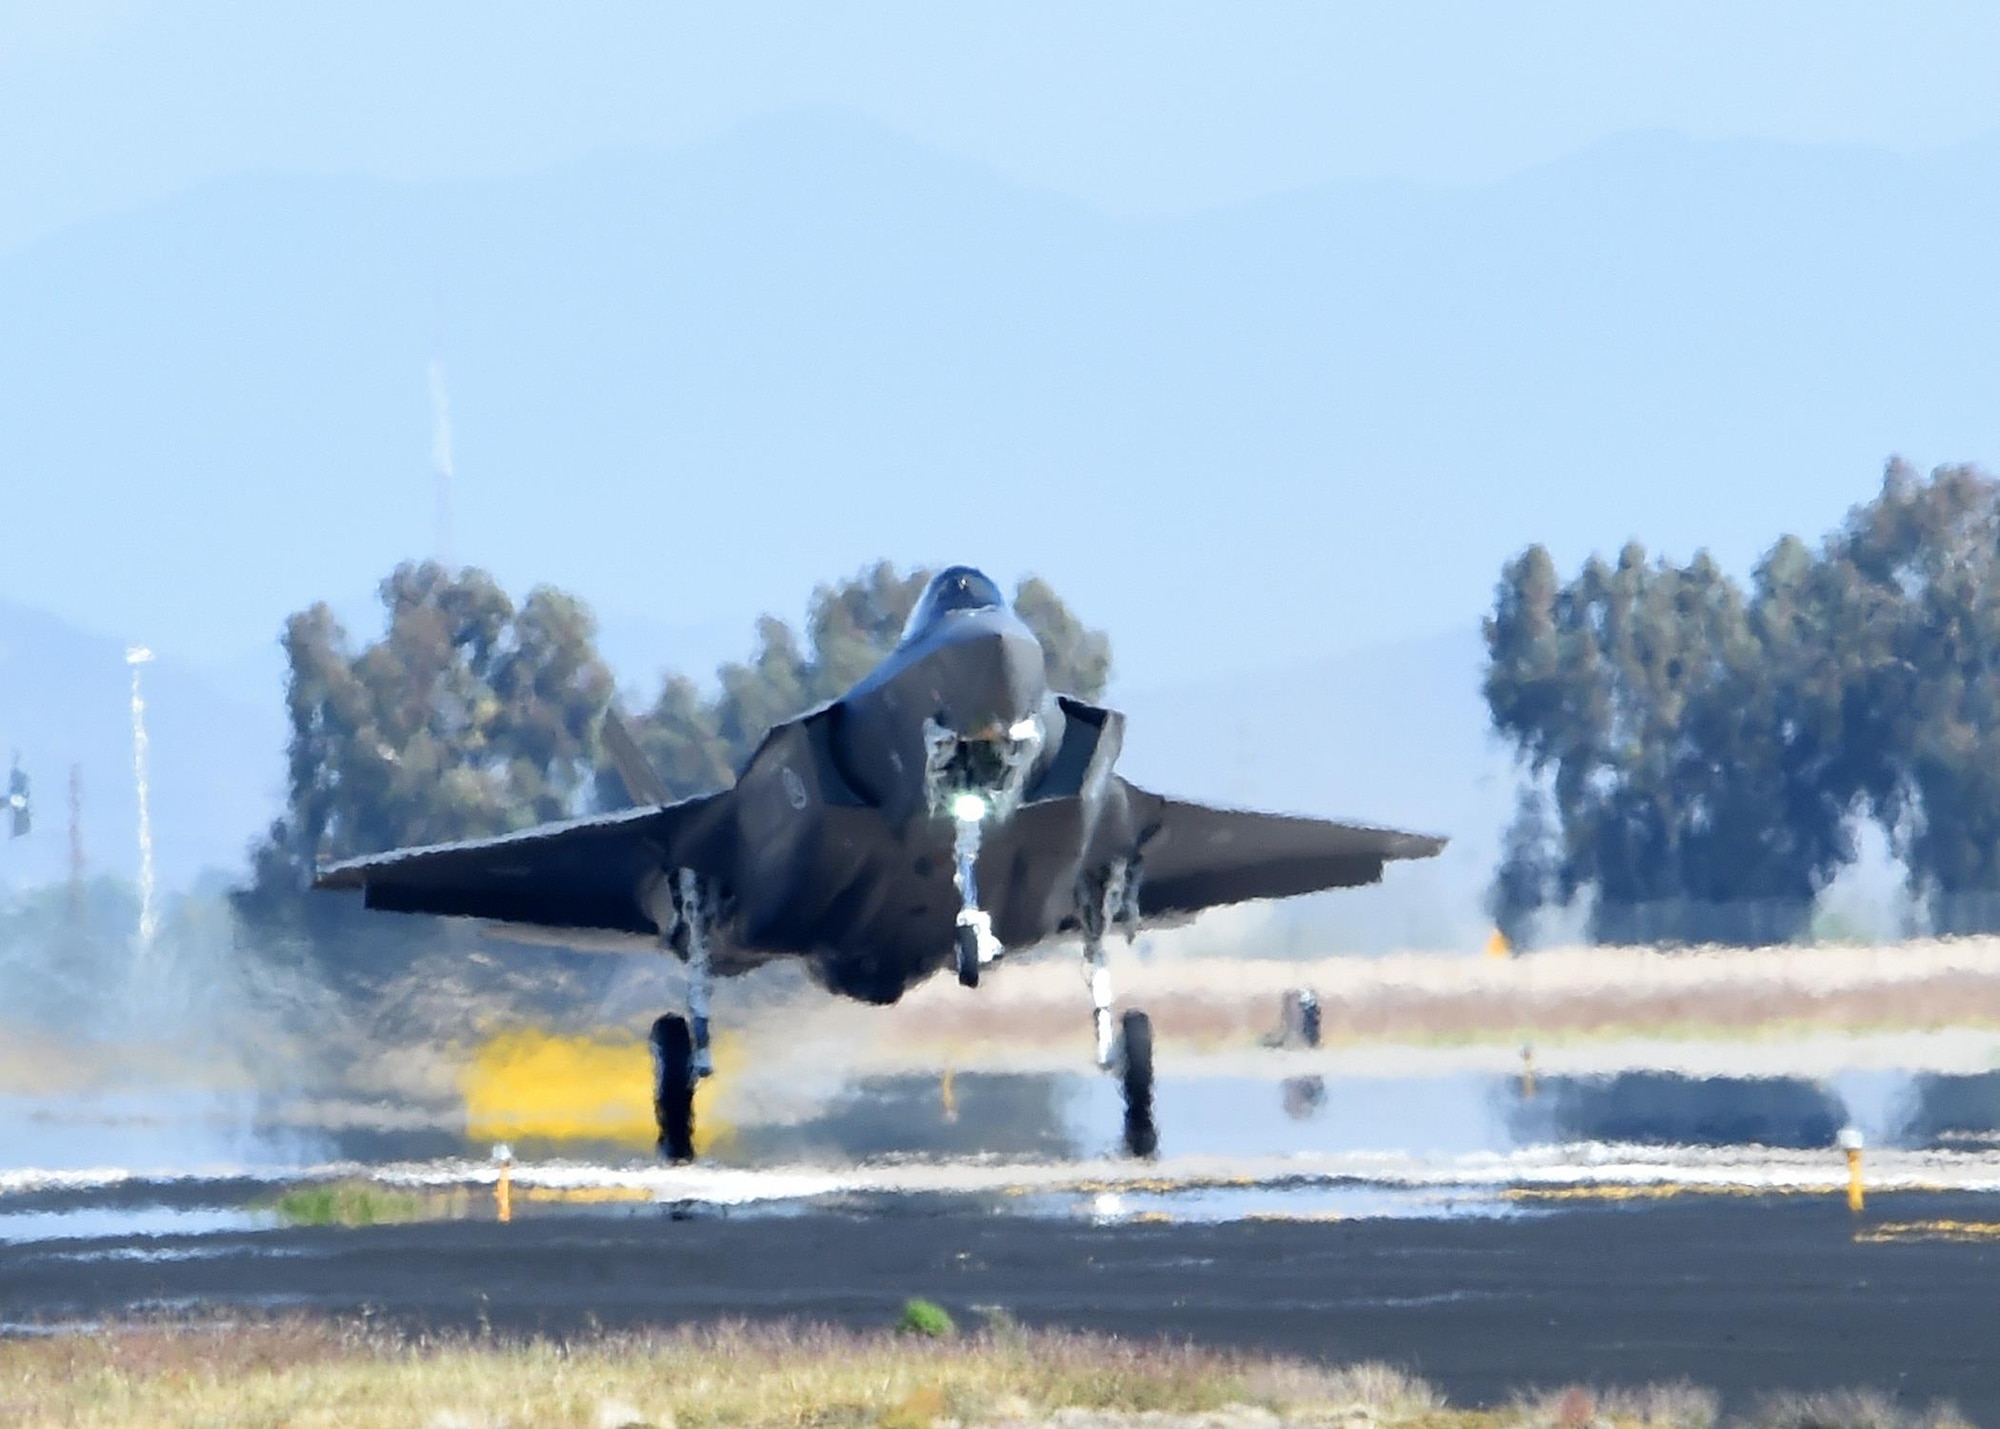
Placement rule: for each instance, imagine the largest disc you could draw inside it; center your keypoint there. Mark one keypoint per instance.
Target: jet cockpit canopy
(952, 589)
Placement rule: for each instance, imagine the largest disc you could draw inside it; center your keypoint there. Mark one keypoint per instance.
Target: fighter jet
(948, 810)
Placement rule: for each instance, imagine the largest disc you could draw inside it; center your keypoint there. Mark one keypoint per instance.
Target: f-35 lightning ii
(949, 808)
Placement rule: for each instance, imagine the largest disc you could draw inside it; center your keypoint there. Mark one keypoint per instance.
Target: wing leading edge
(1197, 857)
(584, 873)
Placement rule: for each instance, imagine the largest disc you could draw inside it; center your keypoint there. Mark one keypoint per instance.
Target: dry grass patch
(1480, 1015)
(1678, 1405)
(305, 1373)
(1852, 1409)
(1589, 993)
(1686, 1406)
(311, 1373)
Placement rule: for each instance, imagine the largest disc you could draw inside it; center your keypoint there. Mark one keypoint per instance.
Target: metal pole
(135, 656)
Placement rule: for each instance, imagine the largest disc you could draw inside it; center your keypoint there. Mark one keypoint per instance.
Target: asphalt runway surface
(1487, 1233)
(1744, 1294)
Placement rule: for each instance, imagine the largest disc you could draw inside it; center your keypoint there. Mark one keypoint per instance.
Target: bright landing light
(968, 808)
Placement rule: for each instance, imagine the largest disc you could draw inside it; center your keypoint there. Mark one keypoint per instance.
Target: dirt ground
(1562, 995)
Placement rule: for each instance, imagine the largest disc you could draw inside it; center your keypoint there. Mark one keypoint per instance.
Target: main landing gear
(1135, 1076)
(1104, 900)
(1110, 900)
(681, 1057)
(673, 1086)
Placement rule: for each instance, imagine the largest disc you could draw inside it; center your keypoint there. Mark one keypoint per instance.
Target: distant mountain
(216, 760)
(688, 385)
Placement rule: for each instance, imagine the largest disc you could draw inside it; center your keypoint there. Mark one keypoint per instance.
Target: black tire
(673, 1087)
(967, 945)
(1142, 1136)
(1309, 1022)
(1301, 1019)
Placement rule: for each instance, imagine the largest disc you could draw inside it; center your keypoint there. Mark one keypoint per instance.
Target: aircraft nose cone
(1001, 679)
(1023, 671)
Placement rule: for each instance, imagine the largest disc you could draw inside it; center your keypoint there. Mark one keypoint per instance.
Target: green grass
(351, 1203)
(926, 1318)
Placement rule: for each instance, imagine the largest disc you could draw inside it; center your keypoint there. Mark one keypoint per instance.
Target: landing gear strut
(1110, 900)
(681, 1056)
(972, 938)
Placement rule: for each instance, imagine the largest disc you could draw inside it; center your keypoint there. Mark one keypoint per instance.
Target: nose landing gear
(973, 780)
(972, 937)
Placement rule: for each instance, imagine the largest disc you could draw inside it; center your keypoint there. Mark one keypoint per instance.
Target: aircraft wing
(583, 873)
(1195, 857)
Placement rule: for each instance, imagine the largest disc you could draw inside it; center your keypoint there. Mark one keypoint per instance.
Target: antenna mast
(149, 922)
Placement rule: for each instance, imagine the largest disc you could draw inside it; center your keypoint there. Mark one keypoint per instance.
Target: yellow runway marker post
(1850, 1142)
(948, 1097)
(503, 1188)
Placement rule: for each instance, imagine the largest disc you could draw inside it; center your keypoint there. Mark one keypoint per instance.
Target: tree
(1920, 616)
(468, 717)
(1644, 692)
(1709, 750)
(1530, 866)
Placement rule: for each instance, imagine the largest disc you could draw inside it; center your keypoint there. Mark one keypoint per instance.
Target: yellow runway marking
(1895, 1231)
(528, 1084)
(589, 1195)
(1651, 1191)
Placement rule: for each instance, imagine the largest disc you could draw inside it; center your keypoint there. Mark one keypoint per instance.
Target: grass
(312, 1373)
(926, 1318)
(1852, 1409)
(357, 1203)
(305, 1373)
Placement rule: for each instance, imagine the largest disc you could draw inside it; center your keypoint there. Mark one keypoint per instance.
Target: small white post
(135, 656)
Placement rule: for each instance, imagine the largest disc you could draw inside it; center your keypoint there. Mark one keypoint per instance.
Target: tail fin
(641, 780)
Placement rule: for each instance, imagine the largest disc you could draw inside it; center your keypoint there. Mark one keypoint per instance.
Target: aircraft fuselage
(845, 819)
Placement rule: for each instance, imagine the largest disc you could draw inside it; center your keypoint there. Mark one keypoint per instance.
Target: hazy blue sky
(1141, 105)
(1588, 354)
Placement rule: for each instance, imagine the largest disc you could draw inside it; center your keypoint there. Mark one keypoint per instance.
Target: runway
(1744, 1294)
(1489, 1233)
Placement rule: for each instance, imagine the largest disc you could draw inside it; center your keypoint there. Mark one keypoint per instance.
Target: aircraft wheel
(1142, 1137)
(968, 955)
(673, 1086)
